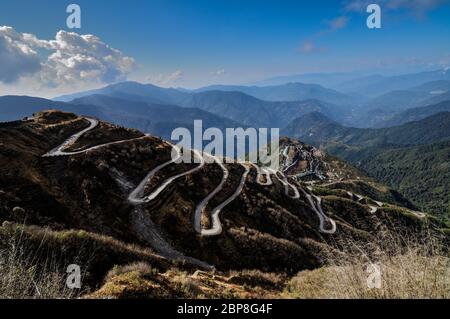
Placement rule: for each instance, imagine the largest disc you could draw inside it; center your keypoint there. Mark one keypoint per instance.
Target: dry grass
(32, 259)
(409, 269)
(187, 286)
(23, 276)
(142, 268)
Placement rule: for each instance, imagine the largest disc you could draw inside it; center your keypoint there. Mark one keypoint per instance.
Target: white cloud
(69, 60)
(17, 58)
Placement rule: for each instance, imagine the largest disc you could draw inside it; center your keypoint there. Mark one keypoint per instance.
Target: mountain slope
(421, 173)
(412, 158)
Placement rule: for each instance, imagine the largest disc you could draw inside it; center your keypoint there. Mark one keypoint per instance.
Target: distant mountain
(16, 107)
(310, 124)
(396, 101)
(287, 92)
(158, 119)
(233, 104)
(133, 91)
(321, 131)
(385, 107)
(258, 113)
(153, 94)
(330, 80)
(375, 85)
(415, 114)
(425, 94)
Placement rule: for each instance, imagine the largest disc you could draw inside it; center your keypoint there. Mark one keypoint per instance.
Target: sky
(193, 43)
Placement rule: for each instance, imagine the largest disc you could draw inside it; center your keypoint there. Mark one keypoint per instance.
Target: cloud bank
(17, 59)
(69, 60)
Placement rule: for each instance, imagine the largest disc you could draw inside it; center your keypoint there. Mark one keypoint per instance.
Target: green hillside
(420, 173)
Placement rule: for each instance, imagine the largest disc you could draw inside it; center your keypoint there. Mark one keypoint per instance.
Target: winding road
(216, 224)
(141, 223)
(59, 151)
(136, 196)
(316, 207)
(260, 171)
(202, 206)
(283, 180)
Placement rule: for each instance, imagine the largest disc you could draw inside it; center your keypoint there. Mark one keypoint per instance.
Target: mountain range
(157, 119)
(401, 113)
(287, 92)
(376, 85)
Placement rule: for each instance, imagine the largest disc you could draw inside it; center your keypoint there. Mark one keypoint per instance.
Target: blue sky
(192, 43)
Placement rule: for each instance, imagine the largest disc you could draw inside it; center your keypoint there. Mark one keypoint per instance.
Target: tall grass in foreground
(409, 269)
(24, 275)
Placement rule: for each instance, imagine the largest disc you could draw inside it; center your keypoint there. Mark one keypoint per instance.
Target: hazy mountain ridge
(359, 109)
(287, 92)
(376, 85)
(157, 119)
(415, 114)
(320, 129)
